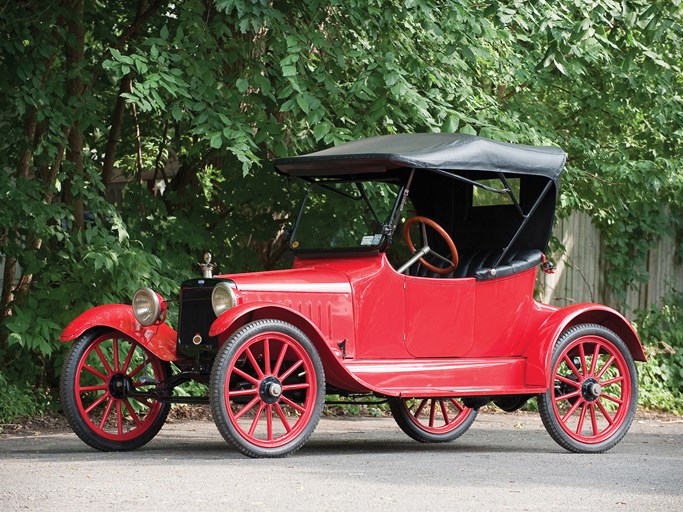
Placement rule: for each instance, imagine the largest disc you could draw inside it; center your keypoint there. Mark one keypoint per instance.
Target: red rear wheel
(592, 399)
(103, 388)
(432, 420)
(267, 389)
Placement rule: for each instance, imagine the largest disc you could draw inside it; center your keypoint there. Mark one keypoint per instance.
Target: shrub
(661, 379)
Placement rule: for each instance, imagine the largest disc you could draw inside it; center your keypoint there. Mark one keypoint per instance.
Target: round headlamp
(146, 306)
(222, 298)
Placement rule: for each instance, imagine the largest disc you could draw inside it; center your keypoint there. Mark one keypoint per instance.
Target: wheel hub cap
(275, 389)
(591, 389)
(120, 385)
(270, 389)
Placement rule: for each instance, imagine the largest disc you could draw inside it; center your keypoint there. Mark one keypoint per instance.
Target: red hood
(294, 280)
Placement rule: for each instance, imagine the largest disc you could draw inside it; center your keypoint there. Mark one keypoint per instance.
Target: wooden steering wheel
(453, 262)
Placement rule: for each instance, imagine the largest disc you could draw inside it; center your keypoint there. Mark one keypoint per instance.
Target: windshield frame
(387, 229)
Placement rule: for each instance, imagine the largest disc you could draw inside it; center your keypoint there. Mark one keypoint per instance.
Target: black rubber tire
(424, 434)
(224, 369)
(555, 425)
(84, 427)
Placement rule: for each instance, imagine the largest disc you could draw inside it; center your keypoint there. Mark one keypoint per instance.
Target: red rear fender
(160, 339)
(539, 355)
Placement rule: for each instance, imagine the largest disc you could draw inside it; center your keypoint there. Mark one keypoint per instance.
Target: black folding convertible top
(443, 151)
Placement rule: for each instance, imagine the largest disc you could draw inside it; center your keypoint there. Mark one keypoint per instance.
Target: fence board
(581, 270)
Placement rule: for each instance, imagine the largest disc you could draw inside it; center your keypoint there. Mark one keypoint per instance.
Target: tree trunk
(75, 47)
(114, 134)
(8, 234)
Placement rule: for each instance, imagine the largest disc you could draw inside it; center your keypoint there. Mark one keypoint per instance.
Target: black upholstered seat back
(479, 264)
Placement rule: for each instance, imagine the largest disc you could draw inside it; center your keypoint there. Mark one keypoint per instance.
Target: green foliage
(661, 379)
(20, 400)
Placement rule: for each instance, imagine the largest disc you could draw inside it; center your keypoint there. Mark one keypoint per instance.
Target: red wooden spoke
(290, 370)
(269, 422)
(594, 420)
(283, 417)
(131, 411)
(246, 376)
(444, 412)
(257, 417)
(129, 358)
(280, 359)
(119, 418)
(115, 350)
(565, 380)
(457, 404)
(266, 356)
(605, 367)
(612, 381)
(247, 407)
(568, 395)
(254, 363)
(571, 410)
(582, 357)
(94, 372)
(291, 387)
(106, 413)
(612, 398)
(605, 412)
(243, 392)
(138, 368)
(432, 411)
(292, 404)
(572, 367)
(420, 407)
(145, 402)
(96, 403)
(582, 417)
(594, 359)
(101, 387)
(103, 359)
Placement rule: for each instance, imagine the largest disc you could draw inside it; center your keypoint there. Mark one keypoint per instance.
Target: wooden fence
(580, 273)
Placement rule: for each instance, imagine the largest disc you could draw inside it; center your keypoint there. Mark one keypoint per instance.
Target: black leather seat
(479, 264)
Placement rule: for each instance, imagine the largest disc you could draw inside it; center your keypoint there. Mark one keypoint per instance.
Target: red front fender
(335, 372)
(226, 322)
(539, 355)
(160, 339)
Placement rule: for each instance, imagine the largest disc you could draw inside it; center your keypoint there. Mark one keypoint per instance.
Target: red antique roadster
(438, 319)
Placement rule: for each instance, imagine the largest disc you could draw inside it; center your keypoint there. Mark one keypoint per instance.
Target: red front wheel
(105, 390)
(267, 389)
(432, 420)
(592, 398)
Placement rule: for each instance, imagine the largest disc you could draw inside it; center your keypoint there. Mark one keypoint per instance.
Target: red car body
(436, 348)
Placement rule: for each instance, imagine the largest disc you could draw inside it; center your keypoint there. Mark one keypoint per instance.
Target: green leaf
(321, 129)
(216, 141)
(391, 78)
(176, 112)
(302, 101)
(467, 129)
(289, 70)
(242, 84)
(451, 124)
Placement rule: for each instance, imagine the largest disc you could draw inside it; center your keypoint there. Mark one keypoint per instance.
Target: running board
(443, 377)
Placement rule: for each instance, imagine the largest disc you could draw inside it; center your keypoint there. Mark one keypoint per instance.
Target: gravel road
(505, 462)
